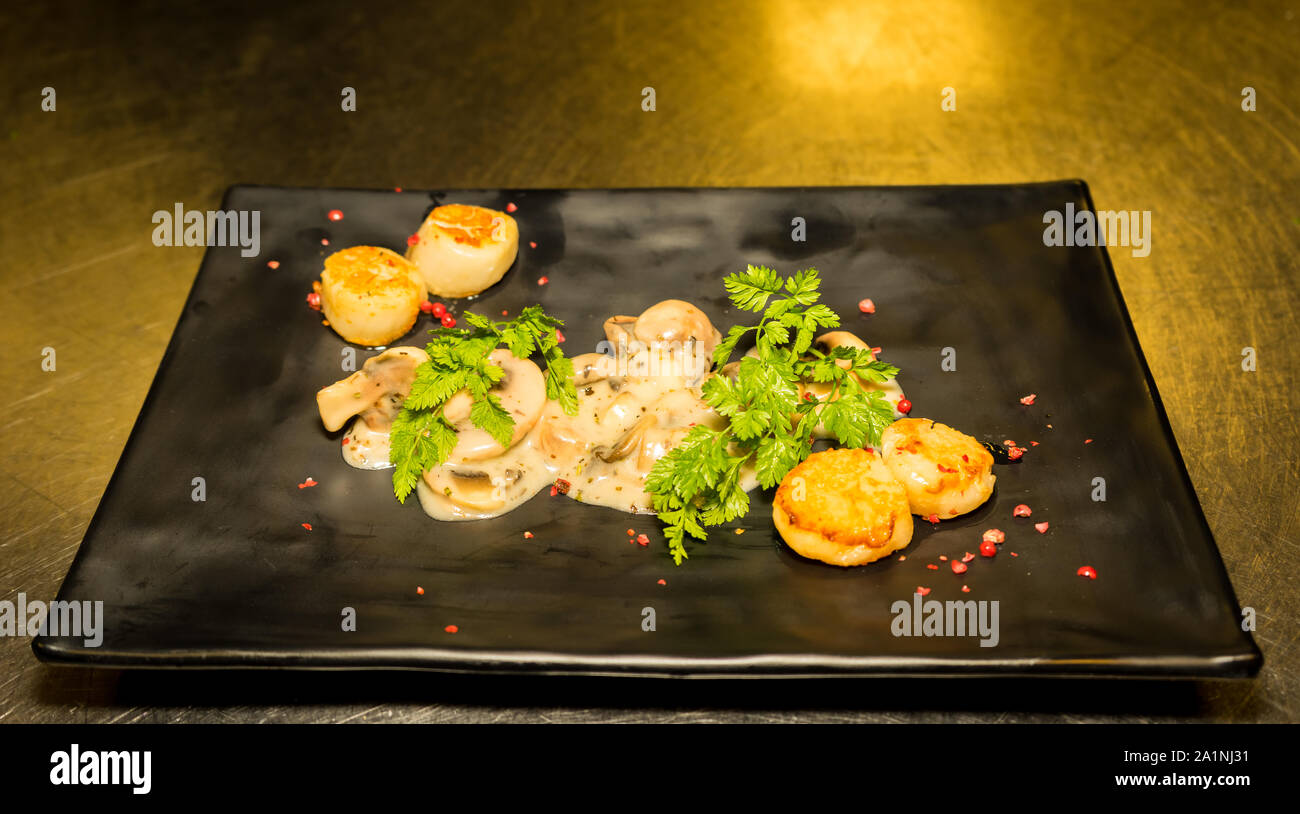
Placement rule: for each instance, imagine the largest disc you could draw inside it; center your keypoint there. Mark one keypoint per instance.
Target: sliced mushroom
(619, 328)
(628, 442)
(669, 418)
(624, 406)
(656, 442)
(375, 392)
(683, 411)
(522, 392)
(560, 438)
(474, 489)
(589, 368)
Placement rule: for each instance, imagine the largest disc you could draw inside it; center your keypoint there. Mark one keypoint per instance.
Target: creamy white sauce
(366, 448)
(605, 452)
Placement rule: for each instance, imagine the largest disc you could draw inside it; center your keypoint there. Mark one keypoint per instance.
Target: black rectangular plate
(236, 580)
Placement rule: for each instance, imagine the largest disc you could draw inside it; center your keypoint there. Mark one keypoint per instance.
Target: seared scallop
(946, 472)
(371, 296)
(461, 250)
(843, 507)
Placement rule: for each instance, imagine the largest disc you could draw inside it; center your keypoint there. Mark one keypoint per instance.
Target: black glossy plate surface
(237, 580)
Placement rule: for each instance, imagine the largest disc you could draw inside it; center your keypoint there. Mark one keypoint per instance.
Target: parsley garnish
(422, 437)
(697, 484)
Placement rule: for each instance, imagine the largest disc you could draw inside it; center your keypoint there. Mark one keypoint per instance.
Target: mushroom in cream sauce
(374, 394)
(634, 405)
(636, 401)
(522, 394)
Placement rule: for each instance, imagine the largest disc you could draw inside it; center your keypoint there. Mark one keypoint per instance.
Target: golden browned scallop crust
(370, 295)
(945, 471)
(843, 507)
(461, 250)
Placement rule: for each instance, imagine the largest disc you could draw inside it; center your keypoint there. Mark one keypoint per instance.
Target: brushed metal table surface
(159, 105)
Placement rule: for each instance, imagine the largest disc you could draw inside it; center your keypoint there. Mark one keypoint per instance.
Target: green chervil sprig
(422, 437)
(697, 484)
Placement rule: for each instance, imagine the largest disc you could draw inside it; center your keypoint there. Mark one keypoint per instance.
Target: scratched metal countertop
(1144, 101)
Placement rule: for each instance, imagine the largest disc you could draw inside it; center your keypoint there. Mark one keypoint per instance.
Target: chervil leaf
(879, 415)
(419, 441)
(478, 321)
(844, 419)
(519, 340)
(820, 316)
(478, 384)
(720, 394)
(727, 346)
(767, 384)
(750, 423)
(751, 289)
(440, 354)
(803, 287)
(691, 466)
(779, 310)
(803, 340)
(878, 372)
(559, 380)
(432, 386)
(472, 351)
(857, 417)
(826, 370)
(776, 456)
(774, 333)
(488, 414)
